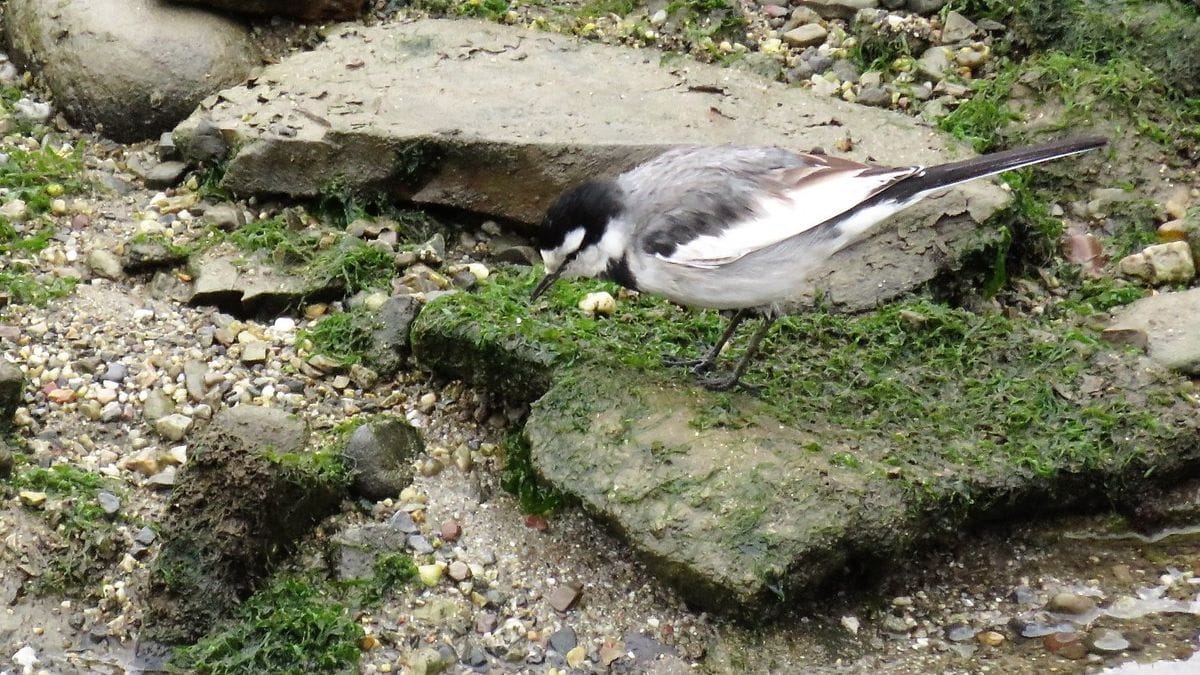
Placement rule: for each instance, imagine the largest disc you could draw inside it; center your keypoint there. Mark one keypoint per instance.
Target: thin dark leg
(702, 364)
(730, 381)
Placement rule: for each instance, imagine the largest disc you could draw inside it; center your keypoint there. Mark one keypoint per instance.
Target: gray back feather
(689, 192)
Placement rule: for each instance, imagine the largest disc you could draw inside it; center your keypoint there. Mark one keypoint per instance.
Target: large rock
(251, 488)
(732, 516)
(308, 10)
(1167, 325)
(499, 120)
(223, 279)
(867, 435)
(135, 67)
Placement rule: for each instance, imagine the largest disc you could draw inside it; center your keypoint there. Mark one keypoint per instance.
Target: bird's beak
(545, 284)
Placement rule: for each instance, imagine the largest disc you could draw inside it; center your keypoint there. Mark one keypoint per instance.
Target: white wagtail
(741, 228)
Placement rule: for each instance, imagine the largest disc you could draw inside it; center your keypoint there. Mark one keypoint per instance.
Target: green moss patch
(36, 175)
(86, 542)
(288, 627)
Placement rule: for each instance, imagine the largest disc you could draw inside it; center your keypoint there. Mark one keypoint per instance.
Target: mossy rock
(867, 435)
(251, 489)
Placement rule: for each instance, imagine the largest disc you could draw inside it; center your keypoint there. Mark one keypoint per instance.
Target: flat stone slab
(1167, 325)
(733, 516)
(499, 120)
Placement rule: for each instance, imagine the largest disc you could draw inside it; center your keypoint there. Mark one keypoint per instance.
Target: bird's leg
(702, 364)
(730, 381)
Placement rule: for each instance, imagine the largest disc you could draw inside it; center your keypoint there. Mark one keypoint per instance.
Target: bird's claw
(724, 382)
(697, 366)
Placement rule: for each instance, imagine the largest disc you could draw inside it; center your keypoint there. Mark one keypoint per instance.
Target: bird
(741, 228)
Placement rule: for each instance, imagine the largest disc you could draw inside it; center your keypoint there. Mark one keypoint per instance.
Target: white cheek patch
(554, 257)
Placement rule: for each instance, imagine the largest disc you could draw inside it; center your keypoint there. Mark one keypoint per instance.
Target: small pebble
(459, 571)
(1071, 603)
(990, 638)
(431, 575)
(451, 531)
(565, 596)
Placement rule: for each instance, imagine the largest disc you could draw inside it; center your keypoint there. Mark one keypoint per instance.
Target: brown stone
(538, 523)
(451, 530)
(563, 598)
(990, 638)
(1056, 641)
(1073, 650)
(1071, 603)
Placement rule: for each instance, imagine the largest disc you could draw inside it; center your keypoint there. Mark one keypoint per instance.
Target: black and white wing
(707, 207)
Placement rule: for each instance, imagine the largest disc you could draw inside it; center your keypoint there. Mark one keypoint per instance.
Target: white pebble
(598, 304)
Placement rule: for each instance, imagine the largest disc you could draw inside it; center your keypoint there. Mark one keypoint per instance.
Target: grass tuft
(289, 627)
(345, 336)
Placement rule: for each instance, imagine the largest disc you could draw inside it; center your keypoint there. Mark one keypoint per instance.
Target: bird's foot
(698, 366)
(724, 382)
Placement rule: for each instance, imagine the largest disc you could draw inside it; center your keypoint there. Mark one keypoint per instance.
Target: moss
(488, 9)
(595, 8)
(37, 177)
(41, 175)
(1125, 60)
(1094, 296)
(1131, 225)
(519, 478)
(1161, 35)
(323, 469)
(22, 286)
(982, 119)
(211, 179)
(326, 257)
(353, 265)
(392, 572)
(289, 627)
(88, 542)
(344, 336)
(708, 20)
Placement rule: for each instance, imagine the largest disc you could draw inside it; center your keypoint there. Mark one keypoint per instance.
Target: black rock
(564, 639)
(646, 648)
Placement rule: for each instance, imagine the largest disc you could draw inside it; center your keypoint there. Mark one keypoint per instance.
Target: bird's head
(571, 238)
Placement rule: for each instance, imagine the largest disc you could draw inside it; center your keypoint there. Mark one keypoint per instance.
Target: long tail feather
(945, 175)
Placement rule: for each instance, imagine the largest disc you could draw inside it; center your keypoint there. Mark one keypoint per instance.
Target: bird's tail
(935, 178)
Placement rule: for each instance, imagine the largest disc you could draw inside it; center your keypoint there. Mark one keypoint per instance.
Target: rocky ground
(112, 392)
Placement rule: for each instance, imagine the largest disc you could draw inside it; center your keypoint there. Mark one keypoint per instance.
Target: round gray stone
(380, 454)
(134, 67)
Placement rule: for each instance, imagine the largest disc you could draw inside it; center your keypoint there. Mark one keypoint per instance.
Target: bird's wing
(773, 205)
